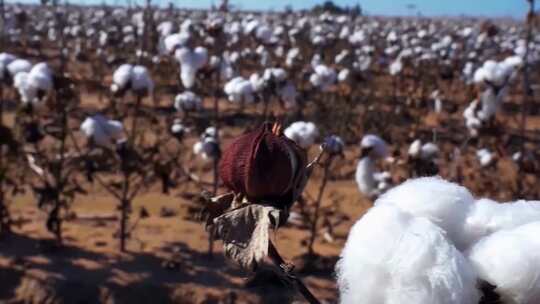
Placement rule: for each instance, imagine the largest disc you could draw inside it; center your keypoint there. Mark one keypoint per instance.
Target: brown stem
(287, 270)
(315, 220)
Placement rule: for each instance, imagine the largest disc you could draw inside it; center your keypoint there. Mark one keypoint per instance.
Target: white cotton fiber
(445, 204)
(102, 131)
(303, 133)
(487, 216)
(392, 257)
(510, 260)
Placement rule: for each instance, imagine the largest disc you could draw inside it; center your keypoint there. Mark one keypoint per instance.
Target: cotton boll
(485, 157)
(239, 90)
(207, 148)
(175, 41)
(510, 260)
(323, 77)
(40, 77)
(190, 62)
(487, 217)
(122, 77)
(187, 102)
(392, 257)
(288, 94)
(396, 67)
(365, 179)
(277, 74)
(445, 204)
(5, 60)
(376, 144)
(18, 66)
(141, 82)
(333, 144)
(303, 133)
(102, 131)
(343, 75)
(415, 148)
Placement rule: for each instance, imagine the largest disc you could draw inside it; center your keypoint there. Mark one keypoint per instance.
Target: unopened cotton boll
(392, 257)
(101, 131)
(333, 144)
(510, 261)
(303, 133)
(443, 203)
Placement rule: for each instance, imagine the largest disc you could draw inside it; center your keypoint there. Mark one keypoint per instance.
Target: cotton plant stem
(315, 219)
(287, 270)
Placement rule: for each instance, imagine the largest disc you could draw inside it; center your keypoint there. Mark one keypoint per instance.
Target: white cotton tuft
(18, 66)
(190, 63)
(303, 133)
(288, 95)
(141, 81)
(444, 203)
(239, 90)
(487, 216)
(175, 41)
(365, 177)
(510, 260)
(187, 102)
(122, 76)
(377, 144)
(392, 257)
(485, 157)
(102, 131)
(323, 77)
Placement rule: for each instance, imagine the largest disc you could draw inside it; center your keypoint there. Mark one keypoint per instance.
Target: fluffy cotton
(101, 131)
(207, 148)
(239, 90)
(17, 66)
(510, 260)
(191, 61)
(34, 85)
(135, 77)
(443, 203)
(392, 257)
(323, 77)
(485, 157)
(427, 151)
(378, 146)
(187, 102)
(487, 216)
(303, 133)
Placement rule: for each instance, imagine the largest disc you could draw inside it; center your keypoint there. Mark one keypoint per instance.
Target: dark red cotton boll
(263, 165)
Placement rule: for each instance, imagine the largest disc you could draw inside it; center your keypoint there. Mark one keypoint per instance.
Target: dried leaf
(244, 232)
(215, 206)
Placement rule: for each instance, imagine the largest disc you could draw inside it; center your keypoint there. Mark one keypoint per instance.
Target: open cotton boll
(27, 92)
(365, 177)
(257, 82)
(190, 62)
(207, 148)
(391, 257)
(141, 81)
(303, 133)
(396, 67)
(5, 60)
(101, 131)
(187, 102)
(487, 216)
(333, 144)
(175, 41)
(378, 146)
(40, 77)
(122, 77)
(18, 66)
(343, 75)
(415, 148)
(445, 204)
(485, 157)
(239, 90)
(276, 74)
(510, 260)
(323, 77)
(288, 94)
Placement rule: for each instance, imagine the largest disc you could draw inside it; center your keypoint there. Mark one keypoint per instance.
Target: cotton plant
(33, 86)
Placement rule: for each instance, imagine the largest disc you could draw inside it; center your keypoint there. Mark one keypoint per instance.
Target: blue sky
(513, 8)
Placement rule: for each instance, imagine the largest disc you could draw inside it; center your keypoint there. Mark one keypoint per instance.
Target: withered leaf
(215, 206)
(244, 232)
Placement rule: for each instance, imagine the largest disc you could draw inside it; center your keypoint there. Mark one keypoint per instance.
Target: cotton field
(158, 154)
